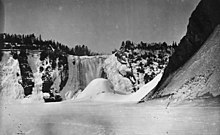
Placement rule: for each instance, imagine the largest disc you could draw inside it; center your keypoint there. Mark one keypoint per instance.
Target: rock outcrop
(26, 73)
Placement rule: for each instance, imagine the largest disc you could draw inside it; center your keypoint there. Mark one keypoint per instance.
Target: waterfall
(82, 70)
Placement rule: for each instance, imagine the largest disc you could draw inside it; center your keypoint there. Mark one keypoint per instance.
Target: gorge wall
(38, 76)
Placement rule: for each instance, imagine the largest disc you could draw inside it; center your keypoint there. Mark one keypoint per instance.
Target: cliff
(202, 22)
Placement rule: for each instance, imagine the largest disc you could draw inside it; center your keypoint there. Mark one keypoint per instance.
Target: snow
(144, 90)
(11, 90)
(112, 67)
(102, 90)
(98, 118)
(100, 109)
(97, 86)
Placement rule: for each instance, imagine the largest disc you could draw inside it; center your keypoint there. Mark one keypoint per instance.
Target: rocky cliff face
(202, 22)
(27, 81)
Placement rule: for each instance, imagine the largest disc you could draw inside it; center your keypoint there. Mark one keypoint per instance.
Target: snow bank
(144, 90)
(102, 90)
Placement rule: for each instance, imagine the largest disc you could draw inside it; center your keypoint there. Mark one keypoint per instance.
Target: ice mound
(102, 90)
(96, 87)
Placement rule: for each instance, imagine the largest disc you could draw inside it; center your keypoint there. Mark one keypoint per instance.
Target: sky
(99, 24)
(1, 17)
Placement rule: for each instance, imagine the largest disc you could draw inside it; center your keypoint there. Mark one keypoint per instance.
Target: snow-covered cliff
(134, 65)
(27, 76)
(10, 78)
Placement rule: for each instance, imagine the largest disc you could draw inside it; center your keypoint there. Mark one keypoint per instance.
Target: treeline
(129, 45)
(32, 42)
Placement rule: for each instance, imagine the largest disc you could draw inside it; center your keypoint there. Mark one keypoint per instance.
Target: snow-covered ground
(98, 118)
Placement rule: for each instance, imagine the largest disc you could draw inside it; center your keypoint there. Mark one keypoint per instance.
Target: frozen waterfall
(82, 70)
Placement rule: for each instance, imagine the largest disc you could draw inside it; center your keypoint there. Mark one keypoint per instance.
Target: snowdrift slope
(102, 90)
(200, 76)
(97, 86)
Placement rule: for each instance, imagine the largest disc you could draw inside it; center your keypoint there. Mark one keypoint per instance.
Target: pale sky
(1, 16)
(100, 24)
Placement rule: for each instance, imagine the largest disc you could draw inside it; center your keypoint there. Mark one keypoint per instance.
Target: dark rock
(26, 73)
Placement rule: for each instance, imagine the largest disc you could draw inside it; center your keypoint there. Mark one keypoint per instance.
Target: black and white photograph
(109, 67)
